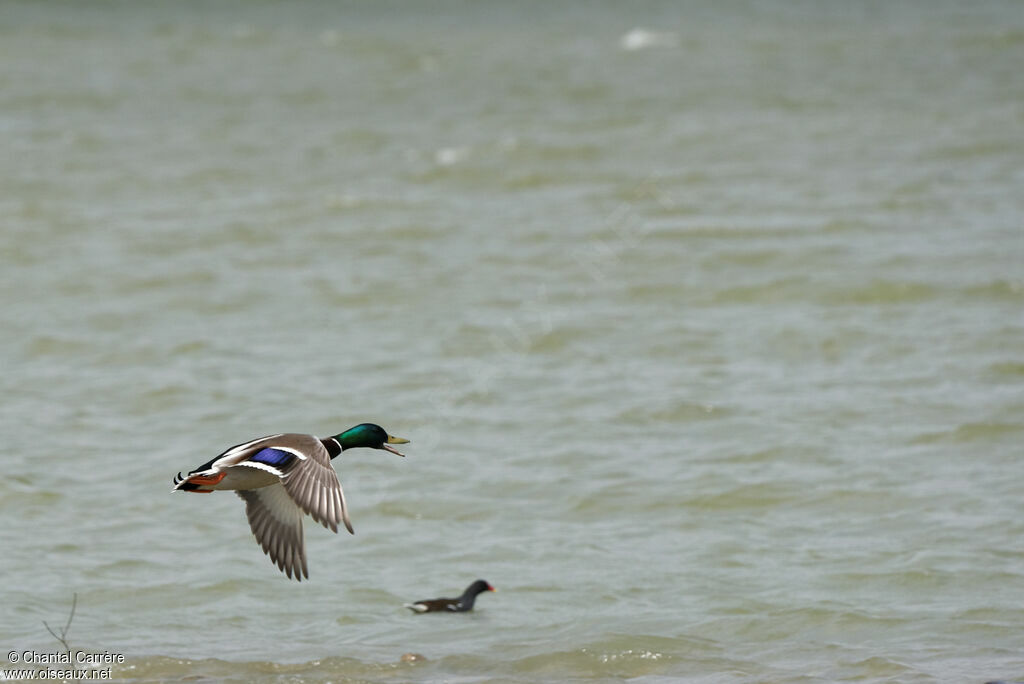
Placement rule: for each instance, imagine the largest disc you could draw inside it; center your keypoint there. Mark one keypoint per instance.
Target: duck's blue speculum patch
(273, 457)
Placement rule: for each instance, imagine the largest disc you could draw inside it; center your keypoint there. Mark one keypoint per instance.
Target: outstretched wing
(277, 523)
(312, 483)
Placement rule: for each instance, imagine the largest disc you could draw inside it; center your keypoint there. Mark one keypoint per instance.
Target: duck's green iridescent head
(369, 436)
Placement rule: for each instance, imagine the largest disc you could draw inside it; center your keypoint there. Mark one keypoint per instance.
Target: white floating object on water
(640, 39)
(448, 156)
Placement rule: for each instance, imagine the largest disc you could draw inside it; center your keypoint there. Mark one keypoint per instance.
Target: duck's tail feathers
(181, 483)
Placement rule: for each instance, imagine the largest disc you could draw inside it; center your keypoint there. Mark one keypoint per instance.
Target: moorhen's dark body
(452, 605)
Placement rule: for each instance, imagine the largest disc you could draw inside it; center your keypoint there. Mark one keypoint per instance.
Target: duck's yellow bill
(394, 440)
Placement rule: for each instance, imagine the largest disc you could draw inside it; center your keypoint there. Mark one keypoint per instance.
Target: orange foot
(206, 480)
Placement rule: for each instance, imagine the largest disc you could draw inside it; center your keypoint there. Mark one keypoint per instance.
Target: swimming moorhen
(452, 605)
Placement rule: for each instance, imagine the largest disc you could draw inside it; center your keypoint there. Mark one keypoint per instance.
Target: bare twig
(62, 638)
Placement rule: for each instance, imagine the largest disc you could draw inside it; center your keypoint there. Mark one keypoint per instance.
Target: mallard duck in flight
(283, 476)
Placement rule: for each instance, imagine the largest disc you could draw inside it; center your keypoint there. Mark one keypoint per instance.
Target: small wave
(676, 412)
(48, 345)
(1011, 290)
(1008, 369)
(970, 432)
(883, 292)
